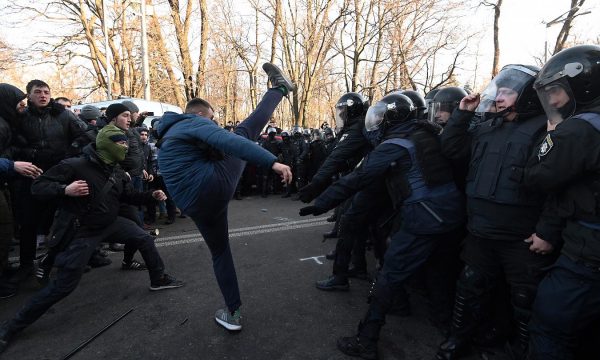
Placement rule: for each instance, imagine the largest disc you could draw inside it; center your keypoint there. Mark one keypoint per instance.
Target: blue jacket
(187, 169)
(7, 167)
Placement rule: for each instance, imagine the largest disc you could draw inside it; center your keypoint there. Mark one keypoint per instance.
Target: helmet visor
(375, 116)
(439, 112)
(503, 91)
(557, 100)
(341, 114)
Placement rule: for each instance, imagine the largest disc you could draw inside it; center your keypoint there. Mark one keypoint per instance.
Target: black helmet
(296, 130)
(445, 100)
(350, 107)
(285, 135)
(329, 133)
(429, 96)
(569, 82)
(512, 79)
(393, 108)
(419, 102)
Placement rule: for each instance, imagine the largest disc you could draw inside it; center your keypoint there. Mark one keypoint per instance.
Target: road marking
(241, 232)
(315, 258)
(277, 227)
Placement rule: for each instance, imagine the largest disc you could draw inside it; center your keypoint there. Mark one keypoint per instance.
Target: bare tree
(563, 35)
(496, 6)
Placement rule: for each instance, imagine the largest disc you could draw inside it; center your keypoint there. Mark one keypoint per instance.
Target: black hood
(10, 96)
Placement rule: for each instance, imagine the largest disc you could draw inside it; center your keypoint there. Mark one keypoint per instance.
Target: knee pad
(471, 278)
(522, 298)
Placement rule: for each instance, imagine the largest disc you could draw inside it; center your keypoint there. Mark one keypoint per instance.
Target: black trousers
(71, 263)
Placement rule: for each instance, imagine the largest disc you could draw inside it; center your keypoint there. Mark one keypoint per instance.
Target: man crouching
(90, 189)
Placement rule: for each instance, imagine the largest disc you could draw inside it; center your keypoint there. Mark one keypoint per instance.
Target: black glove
(315, 210)
(307, 193)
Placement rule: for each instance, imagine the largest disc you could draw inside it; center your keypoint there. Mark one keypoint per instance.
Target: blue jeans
(567, 302)
(210, 213)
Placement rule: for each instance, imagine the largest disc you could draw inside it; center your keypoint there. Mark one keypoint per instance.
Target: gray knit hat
(133, 108)
(89, 112)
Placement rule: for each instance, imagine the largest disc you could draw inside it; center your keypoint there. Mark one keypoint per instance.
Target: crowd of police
(489, 202)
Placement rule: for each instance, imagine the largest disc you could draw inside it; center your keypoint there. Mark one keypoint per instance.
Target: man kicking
(201, 164)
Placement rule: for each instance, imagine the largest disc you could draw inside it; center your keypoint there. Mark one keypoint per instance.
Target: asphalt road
(278, 254)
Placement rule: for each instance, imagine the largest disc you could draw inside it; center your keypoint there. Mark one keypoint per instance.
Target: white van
(155, 107)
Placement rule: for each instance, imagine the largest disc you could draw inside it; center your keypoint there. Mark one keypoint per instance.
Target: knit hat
(89, 112)
(114, 110)
(106, 144)
(133, 108)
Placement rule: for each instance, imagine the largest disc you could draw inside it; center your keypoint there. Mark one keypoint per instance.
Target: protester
(201, 164)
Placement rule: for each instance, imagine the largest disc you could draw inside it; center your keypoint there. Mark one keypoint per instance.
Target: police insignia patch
(342, 138)
(546, 146)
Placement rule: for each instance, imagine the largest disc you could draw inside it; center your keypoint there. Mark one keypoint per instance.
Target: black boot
(334, 282)
(330, 235)
(519, 347)
(330, 255)
(363, 345)
(6, 334)
(455, 345)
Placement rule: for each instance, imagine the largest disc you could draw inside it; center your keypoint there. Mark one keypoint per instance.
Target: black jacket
(134, 160)
(567, 164)
(48, 136)
(500, 206)
(350, 148)
(91, 213)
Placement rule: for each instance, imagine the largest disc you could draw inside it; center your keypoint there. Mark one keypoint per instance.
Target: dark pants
(405, 255)
(34, 217)
(364, 209)
(6, 228)
(210, 215)
(486, 262)
(159, 184)
(71, 263)
(567, 302)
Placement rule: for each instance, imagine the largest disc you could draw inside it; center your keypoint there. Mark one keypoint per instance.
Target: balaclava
(106, 145)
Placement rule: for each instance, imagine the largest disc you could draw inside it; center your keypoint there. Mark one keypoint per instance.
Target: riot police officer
(271, 144)
(301, 157)
(445, 101)
(502, 211)
(288, 157)
(421, 187)
(567, 163)
(419, 102)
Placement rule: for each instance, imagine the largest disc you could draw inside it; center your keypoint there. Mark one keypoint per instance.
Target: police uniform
(568, 301)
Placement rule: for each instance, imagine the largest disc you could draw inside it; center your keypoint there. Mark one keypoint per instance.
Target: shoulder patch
(545, 147)
(343, 138)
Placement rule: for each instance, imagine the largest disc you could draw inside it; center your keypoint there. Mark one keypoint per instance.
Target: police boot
(519, 347)
(7, 331)
(455, 345)
(364, 344)
(330, 234)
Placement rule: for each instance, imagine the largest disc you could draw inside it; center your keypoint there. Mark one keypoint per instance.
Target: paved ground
(278, 256)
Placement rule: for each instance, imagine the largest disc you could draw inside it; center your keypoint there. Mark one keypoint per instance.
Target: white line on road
(194, 238)
(278, 227)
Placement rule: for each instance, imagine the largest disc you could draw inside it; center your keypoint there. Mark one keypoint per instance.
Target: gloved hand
(308, 192)
(315, 210)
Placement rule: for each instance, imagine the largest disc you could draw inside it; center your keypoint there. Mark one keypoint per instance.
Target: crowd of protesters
(487, 202)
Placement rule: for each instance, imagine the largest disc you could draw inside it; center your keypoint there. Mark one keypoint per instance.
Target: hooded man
(91, 188)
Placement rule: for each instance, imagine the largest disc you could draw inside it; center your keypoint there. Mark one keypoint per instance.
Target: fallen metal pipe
(84, 344)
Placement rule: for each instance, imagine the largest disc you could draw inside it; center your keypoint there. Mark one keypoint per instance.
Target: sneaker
(229, 321)
(165, 282)
(333, 283)
(277, 78)
(97, 261)
(133, 265)
(116, 247)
